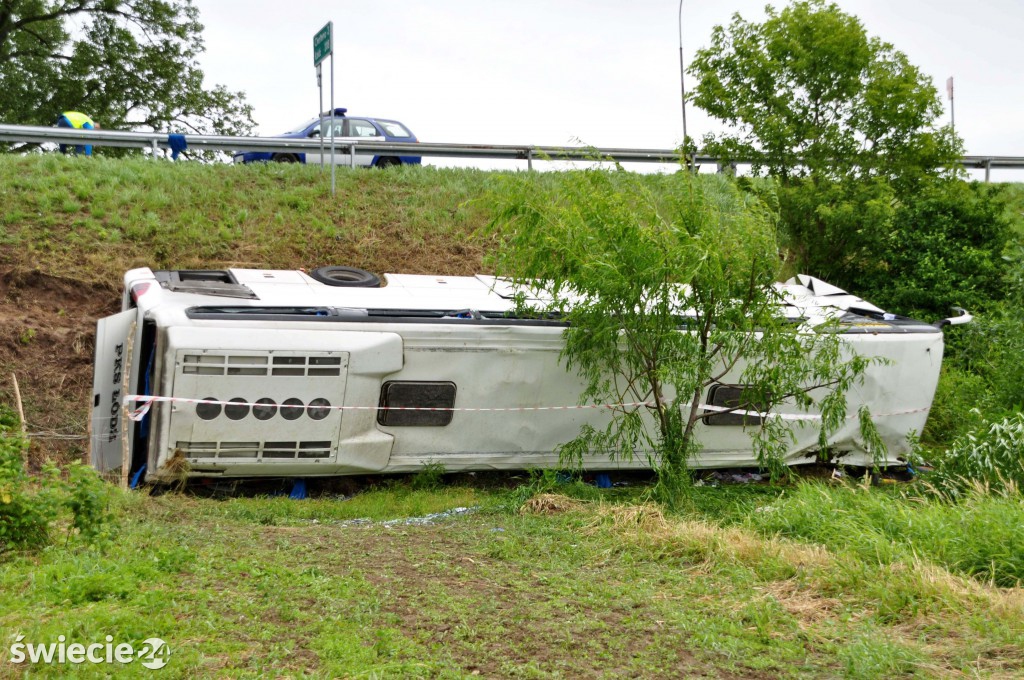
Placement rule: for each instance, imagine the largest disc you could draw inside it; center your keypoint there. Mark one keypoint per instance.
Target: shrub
(991, 348)
(429, 478)
(917, 252)
(89, 501)
(991, 454)
(960, 400)
(944, 249)
(26, 509)
(30, 506)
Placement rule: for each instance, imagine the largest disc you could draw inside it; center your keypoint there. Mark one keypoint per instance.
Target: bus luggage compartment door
(282, 390)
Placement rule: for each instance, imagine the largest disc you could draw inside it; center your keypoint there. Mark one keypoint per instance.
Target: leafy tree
(834, 229)
(666, 293)
(847, 126)
(129, 64)
(807, 92)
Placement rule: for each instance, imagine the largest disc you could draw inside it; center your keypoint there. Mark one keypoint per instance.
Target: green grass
(752, 581)
(93, 218)
(982, 535)
(254, 587)
(383, 504)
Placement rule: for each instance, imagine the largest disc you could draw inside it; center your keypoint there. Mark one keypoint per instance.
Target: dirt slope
(47, 332)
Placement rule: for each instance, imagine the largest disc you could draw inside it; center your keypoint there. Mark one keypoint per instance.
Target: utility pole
(682, 71)
(952, 112)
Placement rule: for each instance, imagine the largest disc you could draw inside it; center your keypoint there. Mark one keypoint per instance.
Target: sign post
(323, 47)
(320, 113)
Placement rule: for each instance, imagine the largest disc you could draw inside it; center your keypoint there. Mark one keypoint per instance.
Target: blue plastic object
(298, 490)
(137, 477)
(177, 144)
(144, 424)
(603, 481)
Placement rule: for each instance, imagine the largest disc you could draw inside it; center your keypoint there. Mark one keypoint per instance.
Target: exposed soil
(47, 334)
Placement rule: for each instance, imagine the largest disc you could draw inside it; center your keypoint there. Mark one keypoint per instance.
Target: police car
(345, 129)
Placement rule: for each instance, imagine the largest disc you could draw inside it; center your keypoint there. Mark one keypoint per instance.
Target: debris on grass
(550, 504)
(425, 520)
(645, 518)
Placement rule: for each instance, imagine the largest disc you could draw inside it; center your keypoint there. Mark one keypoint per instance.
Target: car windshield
(302, 127)
(394, 129)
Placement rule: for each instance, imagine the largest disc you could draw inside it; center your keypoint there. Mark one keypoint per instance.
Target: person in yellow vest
(78, 121)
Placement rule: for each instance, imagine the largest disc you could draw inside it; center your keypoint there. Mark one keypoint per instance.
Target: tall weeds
(980, 535)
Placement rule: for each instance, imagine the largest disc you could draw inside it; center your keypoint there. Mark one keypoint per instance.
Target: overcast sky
(554, 72)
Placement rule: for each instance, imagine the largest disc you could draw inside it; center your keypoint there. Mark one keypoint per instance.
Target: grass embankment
(567, 588)
(91, 219)
(805, 581)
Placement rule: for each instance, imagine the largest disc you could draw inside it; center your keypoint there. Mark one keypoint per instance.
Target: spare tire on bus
(349, 277)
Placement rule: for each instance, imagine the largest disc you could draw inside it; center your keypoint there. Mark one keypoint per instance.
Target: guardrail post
(153, 143)
(529, 160)
(988, 168)
(352, 155)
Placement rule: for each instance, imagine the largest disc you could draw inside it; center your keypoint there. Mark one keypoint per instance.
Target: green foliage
(628, 266)
(88, 499)
(982, 535)
(983, 375)
(30, 506)
(429, 478)
(544, 481)
(808, 92)
(27, 508)
(992, 346)
(918, 251)
(832, 228)
(960, 400)
(990, 454)
(944, 248)
(129, 64)
(847, 124)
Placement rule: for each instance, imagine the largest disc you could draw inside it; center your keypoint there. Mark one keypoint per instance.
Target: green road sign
(322, 44)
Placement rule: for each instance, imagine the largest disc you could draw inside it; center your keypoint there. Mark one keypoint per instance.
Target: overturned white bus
(254, 373)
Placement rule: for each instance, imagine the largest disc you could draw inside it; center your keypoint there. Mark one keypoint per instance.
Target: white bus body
(253, 342)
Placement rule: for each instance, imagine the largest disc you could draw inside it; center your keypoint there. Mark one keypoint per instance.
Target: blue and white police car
(345, 129)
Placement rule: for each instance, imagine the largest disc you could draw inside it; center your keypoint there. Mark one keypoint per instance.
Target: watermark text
(152, 653)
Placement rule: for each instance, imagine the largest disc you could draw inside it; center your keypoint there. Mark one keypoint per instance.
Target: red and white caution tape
(146, 401)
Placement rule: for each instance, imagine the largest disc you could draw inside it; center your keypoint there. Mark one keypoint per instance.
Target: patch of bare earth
(47, 334)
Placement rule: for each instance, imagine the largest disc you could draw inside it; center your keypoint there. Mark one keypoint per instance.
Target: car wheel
(387, 162)
(349, 277)
(284, 158)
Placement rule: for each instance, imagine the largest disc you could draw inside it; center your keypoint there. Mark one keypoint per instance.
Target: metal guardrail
(989, 162)
(156, 140)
